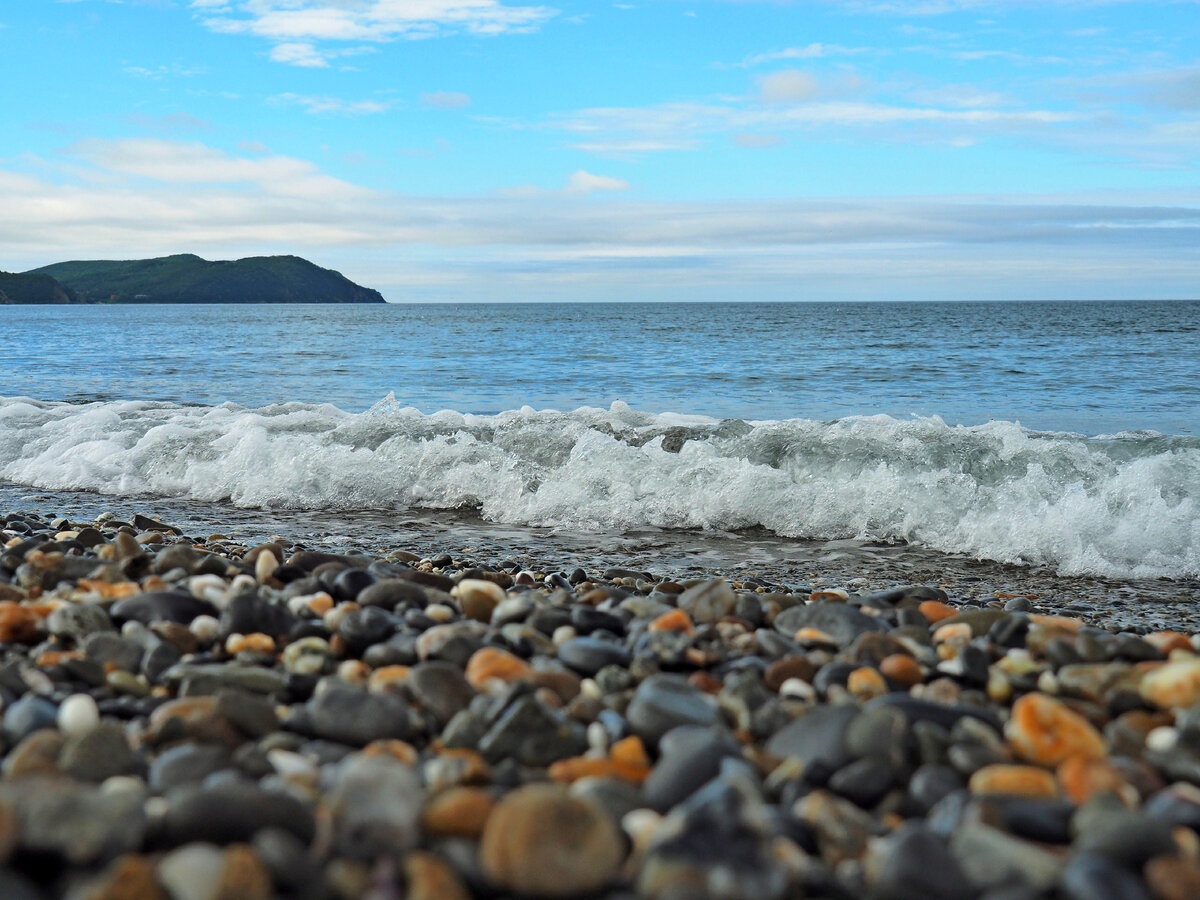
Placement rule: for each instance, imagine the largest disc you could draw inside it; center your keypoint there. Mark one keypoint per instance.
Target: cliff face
(187, 278)
(30, 288)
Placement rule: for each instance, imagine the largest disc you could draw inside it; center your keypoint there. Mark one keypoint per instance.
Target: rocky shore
(186, 716)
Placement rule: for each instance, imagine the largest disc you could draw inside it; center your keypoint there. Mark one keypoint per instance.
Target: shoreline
(276, 720)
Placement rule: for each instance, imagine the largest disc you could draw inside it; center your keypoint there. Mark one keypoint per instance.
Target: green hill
(33, 289)
(187, 278)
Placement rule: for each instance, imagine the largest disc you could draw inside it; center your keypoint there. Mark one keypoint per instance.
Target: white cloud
(788, 86)
(582, 182)
(333, 105)
(757, 141)
(145, 197)
(297, 26)
(808, 51)
(299, 54)
(445, 100)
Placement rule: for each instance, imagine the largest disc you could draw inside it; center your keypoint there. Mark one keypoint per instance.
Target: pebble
(541, 841)
(282, 721)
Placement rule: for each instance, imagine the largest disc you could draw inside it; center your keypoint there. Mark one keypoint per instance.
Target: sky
(494, 150)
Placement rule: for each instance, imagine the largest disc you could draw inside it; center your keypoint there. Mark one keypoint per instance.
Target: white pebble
(562, 634)
(204, 587)
(193, 872)
(205, 628)
(439, 612)
(589, 688)
(798, 689)
(597, 737)
(78, 715)
(290, 764)
(1162, 739)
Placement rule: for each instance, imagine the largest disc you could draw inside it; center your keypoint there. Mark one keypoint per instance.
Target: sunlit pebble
(1048, 682)
(78, 715)
(265, 566)
(640, 825)
(156, 807)
(205, 628)
(207, 587)
(562, 634)
(1162, 739)
(37, 681)
(299, 604)
(589, 688)
(290, 764)
(123, 784)
(333, 618)
(354, 670)
(439, 612)
(798, 689)
(597, 737)
(525, 577)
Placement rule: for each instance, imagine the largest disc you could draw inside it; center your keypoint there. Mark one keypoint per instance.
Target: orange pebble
(252, 643)
(458, 812)
(902, 669)
(810, 636)
(1081, 778)
(109, 591)
(576, 767)
(1045, 731)
(18, 624)
(705, 682)
(58, 657)
(386, 677)
(1166, 641)
(866, 683)
(1065, 623)
(675, 620)
(1022, 781)
(321, 603)
(629, 759)
(935, 610)
(492, 662)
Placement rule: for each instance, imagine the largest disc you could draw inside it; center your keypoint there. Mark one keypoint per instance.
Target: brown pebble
(245, 877)
(542, 841)
(1021, 781)
(18, 624)
(902, 669)
(129, 877)
(935, 611)
(865, 684)
(1044, 731)
(493, 662)
(458, 812)
(1173, 878)
(789, 667)
(429, 877)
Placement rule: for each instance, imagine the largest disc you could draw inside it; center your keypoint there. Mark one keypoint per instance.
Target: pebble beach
(194, 715)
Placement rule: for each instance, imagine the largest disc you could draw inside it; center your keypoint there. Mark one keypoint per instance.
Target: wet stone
(689, 757)
(186, 764)
(440, 689)
(817, 738)
(232, 812)
(98, 754)
(110, 650)
(588, 655)
(918, 865)
(353, 716)
(78, 620)
(162, 606)
(841, 622)
(532, 735)
(376, 805)
(663, 702)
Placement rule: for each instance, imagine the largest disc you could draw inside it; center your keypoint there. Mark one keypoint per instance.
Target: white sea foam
(1124, 505)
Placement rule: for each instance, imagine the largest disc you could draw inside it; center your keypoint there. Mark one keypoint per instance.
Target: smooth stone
(162, 606)
(990, 858)
(352, 716)
(111, 650)
(208, 678)
(248, 613)
(440, 689)
(376, 805)
(708, 602)
(80, 823)
(663, 702)
(942, 714)
(1090, 876)
(77, 715)
(689, 757)
(392, 592)
(99, 753)
(919, 866)
(543, 842)
(232, 812)
(932, 782)
(841, 622)
(364, 627)
(28, 714)
(588, 655)
(186, 764)
(454, 643)
(532, 735)
(863, 782)
(78, 620)
(252, 714)
(816, 737)
(193, 872)
(1127, 838)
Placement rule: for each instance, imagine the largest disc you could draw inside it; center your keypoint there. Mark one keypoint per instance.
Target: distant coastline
(183, 278)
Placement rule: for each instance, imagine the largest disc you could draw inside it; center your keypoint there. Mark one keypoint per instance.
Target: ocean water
(1064, 435)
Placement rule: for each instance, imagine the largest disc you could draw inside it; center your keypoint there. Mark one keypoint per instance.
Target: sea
(1059, 436)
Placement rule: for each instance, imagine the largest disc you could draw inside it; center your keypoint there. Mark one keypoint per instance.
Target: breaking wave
(1125, 505)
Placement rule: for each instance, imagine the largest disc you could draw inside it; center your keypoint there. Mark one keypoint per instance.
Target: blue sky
(650, 150)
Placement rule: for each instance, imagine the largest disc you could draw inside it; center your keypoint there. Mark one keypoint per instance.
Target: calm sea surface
(1063, 435)
(1085, 367)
